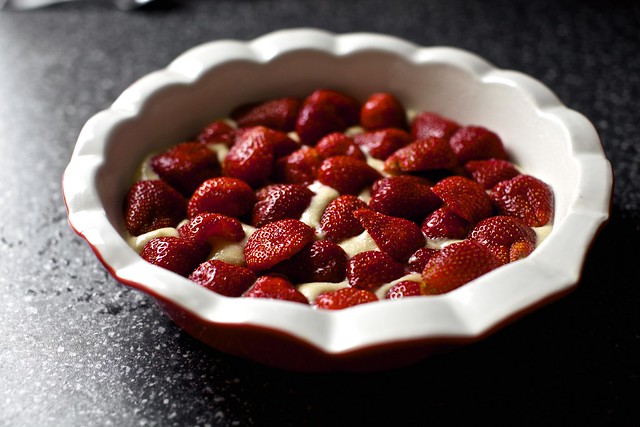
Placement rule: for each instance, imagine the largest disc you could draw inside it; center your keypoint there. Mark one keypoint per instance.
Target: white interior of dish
(542, 136)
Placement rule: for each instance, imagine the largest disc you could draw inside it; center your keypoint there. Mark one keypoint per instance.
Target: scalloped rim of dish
(465, 313)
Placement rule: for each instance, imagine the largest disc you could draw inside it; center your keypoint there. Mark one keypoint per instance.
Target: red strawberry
(151, 205)
(507, 237)
(179, 255)
(224, 278)
(338, 144)
(275, 242)
(466, 198)
(525, 197)
(395, 236)
(186, 165)
(251, 157)
(371, 269)
(323, 112)
(457, 264)
(228, 196)
(477, 143)
(419, 259)
(344, 298)
(422, 155)
(319, 261)
(299, 167)
(383, 110)
(218, 131)
(280, 201)
(428, 124)
(382, 143)
(337, 222)
(204, 227)
(406, 288)
(490, 172)
(279, 114)
(275, 287)
(404, 196)
(444, 224)
(347, 175)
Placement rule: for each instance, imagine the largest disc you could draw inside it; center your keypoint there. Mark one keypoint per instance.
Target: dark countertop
(79, 349)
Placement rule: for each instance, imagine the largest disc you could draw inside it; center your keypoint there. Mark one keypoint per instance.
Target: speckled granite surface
(79, 349)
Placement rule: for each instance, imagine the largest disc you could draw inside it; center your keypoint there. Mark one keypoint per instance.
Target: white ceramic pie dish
(546, 139)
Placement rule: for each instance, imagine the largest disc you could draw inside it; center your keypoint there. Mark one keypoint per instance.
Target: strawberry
(338, 144)
(323, 112)
(337, 222)
(404, 196)
(525, 197)
(343, 298)
(398, 237)
(275, 242)
(490, 172)
(224, 278)
(185, 166)
(422, 155)
(477, 143)
(347, 175)
(457, 264)
(406, 288)
(179, 255)
(382, 143)
(419, 259)
(299, 167)
(428, 124)
(224, 195)
(371, 269)
(507, 237)
(279, 114)
(217, 131)
(443, 223)
(383, 110)
(153, 204)
(280, 201)
(319, 261)
(466, 198)
(251, 157)
(205, 227)
(275, 287)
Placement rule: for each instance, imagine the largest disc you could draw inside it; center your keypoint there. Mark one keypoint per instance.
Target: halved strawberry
(490, 172)
(323, 112)
(443, 223)
(224, 278)
(382, 143)
(404, 196)
(275, 242)
(457, 264)
(420, 258)
(299, 167)
(279, 114)
(466, 198)
(525, 197)
(224, 195)
(346, 174)
(428, 124)
(280, 201)
(337, 222)
(338, 144)
(205, 227)
(406, 288)
(275, 287)
(186, 165)
(151, 205)
(507, 237)
(179, 255)
(217, 131)
(398, 237)
(251, 157)
(371, 269)
(383, 110)
(343, 298)
(477, 143)
(319, 261)
(422, 155)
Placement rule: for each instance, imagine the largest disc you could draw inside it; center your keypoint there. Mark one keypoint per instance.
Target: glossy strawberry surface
(525, 197)
(383, 110)
(344, 298)
(371, 269)
(151, 205)
(179, 255)
(224, 195)
(276, 242)
(280, 201)
(223, 278)
(275, 287)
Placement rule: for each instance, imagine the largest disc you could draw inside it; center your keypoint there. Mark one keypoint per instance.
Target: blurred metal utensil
(34, 4)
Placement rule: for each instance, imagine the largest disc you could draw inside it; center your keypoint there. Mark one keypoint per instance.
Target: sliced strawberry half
(371, 269)
(346, 174)
(337, 222)
(179, 255)
(224, 278)
(507, 237)
(338, 144)
(419, 259)
(224, 195)
(151, 205)
(383, 110)
(404, 196)
(422, 155)
(280, 201)
(251, 157)
(275, 287)
(217, 131)
(477, 143)
(382, 143)
(279, 114)
(275, 242)
(299, 167)
(489, 173)
(319, 261)
(404, 289)
(205, 227)
(323, 112)
(343, 298)
(465, 197)
(428, 124)
(525, 197)
(443, 223)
